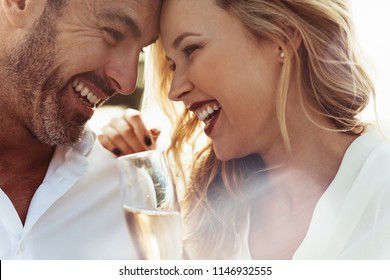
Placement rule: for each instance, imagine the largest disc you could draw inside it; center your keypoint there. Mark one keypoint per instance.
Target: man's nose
(122, 70)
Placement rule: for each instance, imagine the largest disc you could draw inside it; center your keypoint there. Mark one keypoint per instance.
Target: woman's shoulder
(374, 142)
(366, 163)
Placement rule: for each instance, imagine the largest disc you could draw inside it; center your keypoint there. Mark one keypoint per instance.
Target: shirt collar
(84, 146)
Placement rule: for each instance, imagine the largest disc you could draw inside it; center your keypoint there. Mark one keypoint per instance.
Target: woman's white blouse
(352, 218)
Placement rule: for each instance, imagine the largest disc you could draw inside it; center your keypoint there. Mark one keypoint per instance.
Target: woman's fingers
(136, 132)
(127, 134)
(113, 140)
(155, 133)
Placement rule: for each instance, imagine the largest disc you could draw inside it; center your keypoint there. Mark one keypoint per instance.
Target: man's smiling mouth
(85, 94)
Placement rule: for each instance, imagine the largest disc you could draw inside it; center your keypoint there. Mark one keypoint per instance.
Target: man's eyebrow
(131, 25)
(181, 37)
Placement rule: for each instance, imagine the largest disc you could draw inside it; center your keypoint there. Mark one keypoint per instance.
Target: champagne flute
(150, 205)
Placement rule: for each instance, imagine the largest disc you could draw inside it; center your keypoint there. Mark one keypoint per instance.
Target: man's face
(67, 67)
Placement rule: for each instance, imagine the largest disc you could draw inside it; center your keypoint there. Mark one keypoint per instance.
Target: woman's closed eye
(188, 50)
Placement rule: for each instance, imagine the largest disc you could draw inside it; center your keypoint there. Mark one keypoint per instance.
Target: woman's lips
(205, 110)
(211, 122)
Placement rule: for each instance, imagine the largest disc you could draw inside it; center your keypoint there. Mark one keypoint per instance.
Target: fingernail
(117, 152)
(148, 141)
(155, 132)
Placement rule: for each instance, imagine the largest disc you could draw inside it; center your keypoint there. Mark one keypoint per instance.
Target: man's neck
(23, 166)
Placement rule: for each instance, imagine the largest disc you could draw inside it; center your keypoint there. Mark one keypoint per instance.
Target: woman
(291, 170)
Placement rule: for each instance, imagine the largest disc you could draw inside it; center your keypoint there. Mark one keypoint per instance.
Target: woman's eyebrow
(181, 37)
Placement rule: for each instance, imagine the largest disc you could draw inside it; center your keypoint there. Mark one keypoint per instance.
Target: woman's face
(223, 75)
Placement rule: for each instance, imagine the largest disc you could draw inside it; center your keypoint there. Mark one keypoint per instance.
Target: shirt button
(21, 247)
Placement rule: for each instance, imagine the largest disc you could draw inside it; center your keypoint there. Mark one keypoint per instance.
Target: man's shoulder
(102, 164)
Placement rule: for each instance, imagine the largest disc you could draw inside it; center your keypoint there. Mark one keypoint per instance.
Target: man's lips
(88, 94)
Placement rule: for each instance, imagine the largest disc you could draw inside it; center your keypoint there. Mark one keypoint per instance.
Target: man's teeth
(84, 91)
(207, 112)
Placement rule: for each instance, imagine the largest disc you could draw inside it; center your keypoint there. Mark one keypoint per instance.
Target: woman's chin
(224, 153)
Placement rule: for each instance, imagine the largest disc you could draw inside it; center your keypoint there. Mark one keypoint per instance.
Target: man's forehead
(144, 7)
(145, 3)
(137, 15)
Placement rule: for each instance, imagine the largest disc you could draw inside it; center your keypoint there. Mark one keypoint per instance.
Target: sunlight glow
(372, 19)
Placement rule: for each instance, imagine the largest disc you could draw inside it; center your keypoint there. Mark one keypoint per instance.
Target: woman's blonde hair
(327, 65)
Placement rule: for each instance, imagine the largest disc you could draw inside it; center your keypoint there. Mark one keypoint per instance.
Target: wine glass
(150, 205)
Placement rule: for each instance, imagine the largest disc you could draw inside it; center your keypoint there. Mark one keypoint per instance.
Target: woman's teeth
(86, 95)
(207, 112)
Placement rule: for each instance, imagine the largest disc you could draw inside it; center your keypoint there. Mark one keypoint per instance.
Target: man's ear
(22, 13)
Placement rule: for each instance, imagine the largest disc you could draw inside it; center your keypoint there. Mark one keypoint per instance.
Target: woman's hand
(127, 134)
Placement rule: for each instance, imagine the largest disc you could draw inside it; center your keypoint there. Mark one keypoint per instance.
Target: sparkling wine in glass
(150, 205)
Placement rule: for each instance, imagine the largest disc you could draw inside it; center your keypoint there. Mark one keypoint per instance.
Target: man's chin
(66, 137)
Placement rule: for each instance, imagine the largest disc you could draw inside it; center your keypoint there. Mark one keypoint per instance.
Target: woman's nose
(123, 72)
(180, 86)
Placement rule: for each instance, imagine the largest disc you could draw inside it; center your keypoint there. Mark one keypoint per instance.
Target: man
(59, 59)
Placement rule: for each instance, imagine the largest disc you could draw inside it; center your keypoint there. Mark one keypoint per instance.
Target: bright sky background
(372, 19)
